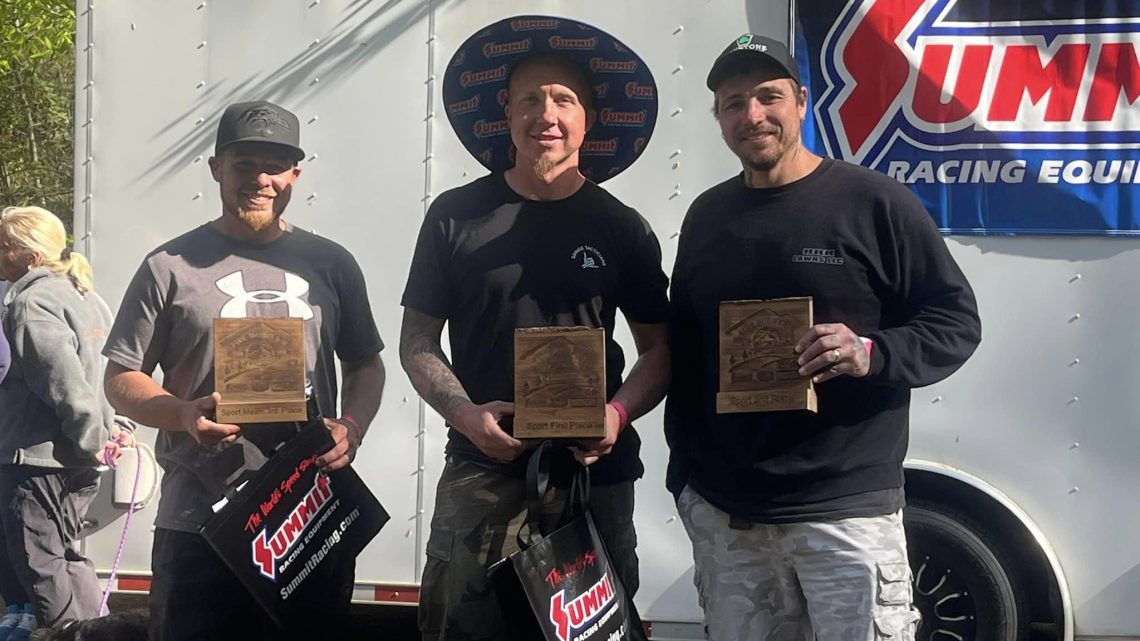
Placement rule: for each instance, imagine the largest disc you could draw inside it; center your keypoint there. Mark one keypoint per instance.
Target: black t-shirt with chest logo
(490, 261)
(870, 256)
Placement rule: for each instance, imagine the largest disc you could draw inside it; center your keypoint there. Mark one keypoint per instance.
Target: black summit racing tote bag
(561, 586)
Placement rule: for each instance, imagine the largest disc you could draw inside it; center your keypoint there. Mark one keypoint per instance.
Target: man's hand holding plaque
(759, 367)
(259, 370)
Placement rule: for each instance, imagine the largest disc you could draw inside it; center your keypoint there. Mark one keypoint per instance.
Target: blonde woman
(54, 423)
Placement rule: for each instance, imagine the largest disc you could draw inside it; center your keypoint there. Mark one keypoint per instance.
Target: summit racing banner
(291, 534)
(1003, 117)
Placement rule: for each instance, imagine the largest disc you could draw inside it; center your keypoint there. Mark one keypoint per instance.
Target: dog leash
(112, 463)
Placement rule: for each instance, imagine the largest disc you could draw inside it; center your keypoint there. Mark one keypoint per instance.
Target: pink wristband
(352, 421)
(623, 415)
(867, 343)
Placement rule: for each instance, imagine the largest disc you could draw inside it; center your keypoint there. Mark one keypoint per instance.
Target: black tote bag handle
(538, 482)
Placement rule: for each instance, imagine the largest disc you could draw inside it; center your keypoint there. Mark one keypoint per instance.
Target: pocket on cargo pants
(895, 617)
(434, 582)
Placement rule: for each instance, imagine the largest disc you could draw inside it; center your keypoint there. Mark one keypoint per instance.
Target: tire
(964, 585)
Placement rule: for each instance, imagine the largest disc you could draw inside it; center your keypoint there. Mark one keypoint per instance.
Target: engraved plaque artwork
(259, 369)
(560, 382)
(758, 368)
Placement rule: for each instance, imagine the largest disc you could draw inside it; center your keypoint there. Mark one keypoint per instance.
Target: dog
(128, 626)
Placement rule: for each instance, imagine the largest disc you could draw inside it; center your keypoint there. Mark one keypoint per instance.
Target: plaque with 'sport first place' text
(759, 371)
(560, 382)
(259, 369)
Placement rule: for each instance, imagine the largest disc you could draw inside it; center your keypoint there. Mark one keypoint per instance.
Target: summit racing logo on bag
(558, 42)
(496, 49)
(466, 106)
(472, 78)
(485, 129)
(622, 118)
(953, 75)
(613, 66)
(267, 550)
(533, 25)
(573, 617)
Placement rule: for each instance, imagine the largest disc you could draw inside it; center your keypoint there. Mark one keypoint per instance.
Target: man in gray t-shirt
(248, 262)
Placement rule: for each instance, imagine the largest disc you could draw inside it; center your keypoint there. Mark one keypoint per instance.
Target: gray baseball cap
(259, 121)
(757, 48)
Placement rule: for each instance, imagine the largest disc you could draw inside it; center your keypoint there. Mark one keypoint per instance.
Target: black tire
(964, 585)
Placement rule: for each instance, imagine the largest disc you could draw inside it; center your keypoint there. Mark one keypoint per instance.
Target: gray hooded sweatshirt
(52, 409)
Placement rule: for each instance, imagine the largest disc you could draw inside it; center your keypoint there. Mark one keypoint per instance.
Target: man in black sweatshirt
(795, 517)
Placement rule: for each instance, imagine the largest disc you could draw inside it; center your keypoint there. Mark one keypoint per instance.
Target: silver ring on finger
(838, 354)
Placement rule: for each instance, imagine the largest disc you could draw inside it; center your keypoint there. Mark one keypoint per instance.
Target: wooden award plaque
(560, 382)
(259, 369)
(758, 368)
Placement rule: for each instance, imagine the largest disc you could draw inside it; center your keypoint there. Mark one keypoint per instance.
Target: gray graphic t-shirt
(166, 321)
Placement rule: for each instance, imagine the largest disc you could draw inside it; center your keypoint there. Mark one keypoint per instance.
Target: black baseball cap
(754, 47)
(259, 121)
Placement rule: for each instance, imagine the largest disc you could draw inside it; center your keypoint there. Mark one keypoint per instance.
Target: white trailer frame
(1036, 436)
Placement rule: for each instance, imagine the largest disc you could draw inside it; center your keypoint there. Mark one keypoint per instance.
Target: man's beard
(257, 220)
(767, 160)
(543, 166)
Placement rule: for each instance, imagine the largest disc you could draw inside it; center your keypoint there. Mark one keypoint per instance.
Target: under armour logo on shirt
(234, 287)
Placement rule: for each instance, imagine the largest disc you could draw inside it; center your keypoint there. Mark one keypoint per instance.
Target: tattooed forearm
(422, 357)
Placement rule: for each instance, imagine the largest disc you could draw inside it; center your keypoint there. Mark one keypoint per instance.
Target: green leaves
(37, 84)
(34, 29)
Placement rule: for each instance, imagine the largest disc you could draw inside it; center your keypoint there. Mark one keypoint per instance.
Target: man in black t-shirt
(795, 517)
(533, 244)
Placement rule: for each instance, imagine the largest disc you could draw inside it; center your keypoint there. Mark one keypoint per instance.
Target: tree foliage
(37, 86)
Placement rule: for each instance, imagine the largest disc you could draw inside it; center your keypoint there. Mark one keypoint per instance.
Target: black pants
(195, 597)
(41, 511)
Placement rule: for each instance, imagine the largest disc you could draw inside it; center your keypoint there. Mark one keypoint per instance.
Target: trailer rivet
(198, 159)
(679, 29)
(1076, 317)
(314, 119)
(201, 44)
(679, 68)
(936, 399)
(132, 26)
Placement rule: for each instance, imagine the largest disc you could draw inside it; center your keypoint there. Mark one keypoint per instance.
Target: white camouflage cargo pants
(844, 580)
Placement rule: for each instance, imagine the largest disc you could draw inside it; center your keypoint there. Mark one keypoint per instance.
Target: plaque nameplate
(560, 382)
(259, 369)
(757, 358)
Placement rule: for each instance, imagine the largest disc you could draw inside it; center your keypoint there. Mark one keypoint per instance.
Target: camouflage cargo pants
(844, 580)
(477, 517)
